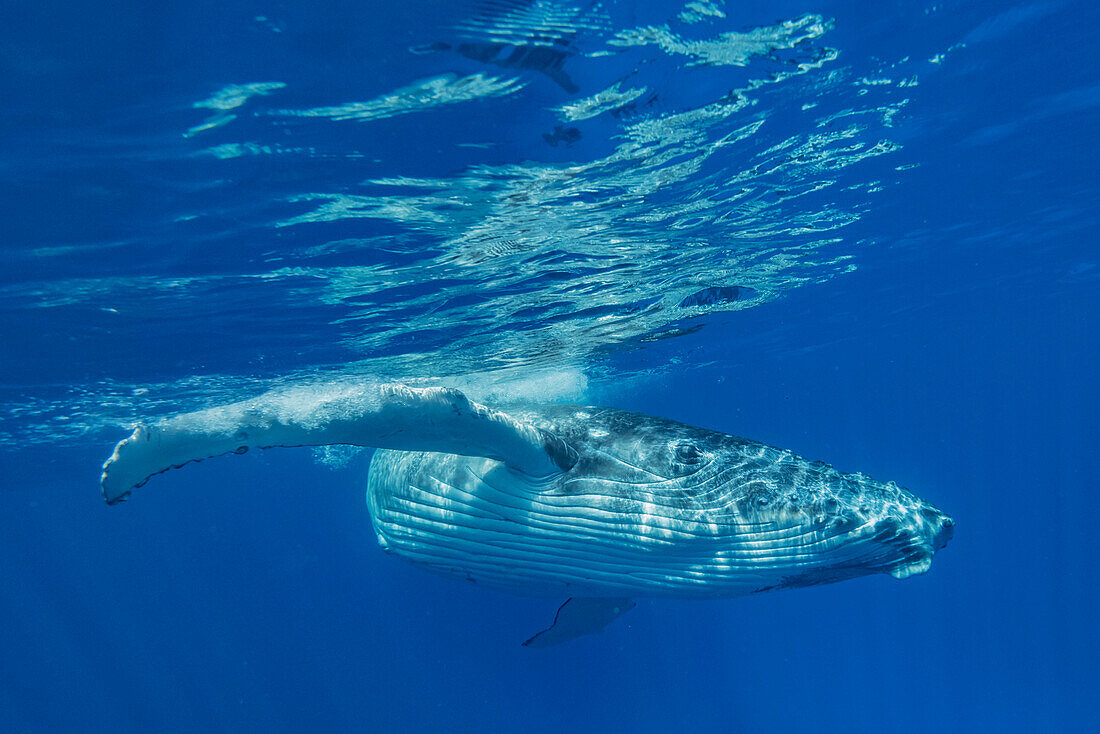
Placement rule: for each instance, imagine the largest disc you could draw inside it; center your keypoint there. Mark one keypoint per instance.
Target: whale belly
(475, 519)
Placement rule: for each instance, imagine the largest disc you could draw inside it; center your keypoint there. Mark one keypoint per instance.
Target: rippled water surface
(501, 185)
(866, 231)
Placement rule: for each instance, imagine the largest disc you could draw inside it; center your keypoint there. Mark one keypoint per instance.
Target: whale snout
(944, 533)
(932, 528)
(927, 531)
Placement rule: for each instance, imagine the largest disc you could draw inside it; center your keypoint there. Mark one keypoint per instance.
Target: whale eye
(686, 453)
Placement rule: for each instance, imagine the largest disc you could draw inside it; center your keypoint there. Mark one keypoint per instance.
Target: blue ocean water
(864, 232)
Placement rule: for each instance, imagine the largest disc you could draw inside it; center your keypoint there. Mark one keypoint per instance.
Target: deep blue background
(960, 359)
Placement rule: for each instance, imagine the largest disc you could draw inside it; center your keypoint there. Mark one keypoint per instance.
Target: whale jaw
(937, 530)
(912, 568)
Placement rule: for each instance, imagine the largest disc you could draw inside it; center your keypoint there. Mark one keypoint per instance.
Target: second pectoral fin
(580, 616)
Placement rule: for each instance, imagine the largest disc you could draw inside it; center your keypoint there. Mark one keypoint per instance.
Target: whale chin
(938, 529)
(911, 568)
(916, 538)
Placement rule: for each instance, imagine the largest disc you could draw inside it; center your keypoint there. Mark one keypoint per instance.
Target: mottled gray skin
(651, 507)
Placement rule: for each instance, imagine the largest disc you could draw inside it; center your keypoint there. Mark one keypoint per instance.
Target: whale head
(856, 526)
(813, 524)
(740, 516)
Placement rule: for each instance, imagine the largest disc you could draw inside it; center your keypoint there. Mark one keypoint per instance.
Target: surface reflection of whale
(595, 504)
(546, 59)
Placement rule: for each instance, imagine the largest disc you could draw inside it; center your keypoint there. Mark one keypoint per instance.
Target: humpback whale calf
(595, 505)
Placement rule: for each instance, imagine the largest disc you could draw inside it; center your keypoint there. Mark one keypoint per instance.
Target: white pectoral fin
(382, 416)
(580, 616)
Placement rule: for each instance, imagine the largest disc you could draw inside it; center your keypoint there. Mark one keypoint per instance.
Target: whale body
(596, 504)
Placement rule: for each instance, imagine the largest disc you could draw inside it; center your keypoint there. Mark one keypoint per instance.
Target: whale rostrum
(597, 505)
